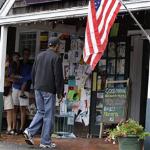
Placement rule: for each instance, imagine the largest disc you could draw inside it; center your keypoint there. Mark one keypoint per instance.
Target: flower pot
(130, 143)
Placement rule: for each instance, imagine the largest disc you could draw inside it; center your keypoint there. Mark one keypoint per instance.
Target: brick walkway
(17, 143)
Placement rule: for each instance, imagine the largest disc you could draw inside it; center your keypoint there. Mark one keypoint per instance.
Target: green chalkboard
(114, 106)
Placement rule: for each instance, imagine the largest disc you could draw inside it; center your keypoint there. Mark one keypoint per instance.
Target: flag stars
(97, 3)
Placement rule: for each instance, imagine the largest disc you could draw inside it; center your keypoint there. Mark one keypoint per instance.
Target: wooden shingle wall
(2, 2)
(20, 6)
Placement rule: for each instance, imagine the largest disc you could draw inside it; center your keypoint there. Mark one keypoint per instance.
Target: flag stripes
(101, 16)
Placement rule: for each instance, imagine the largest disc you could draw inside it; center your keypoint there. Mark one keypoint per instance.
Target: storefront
(32, 27)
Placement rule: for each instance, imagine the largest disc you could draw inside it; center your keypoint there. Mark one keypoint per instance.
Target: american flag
(101, 16)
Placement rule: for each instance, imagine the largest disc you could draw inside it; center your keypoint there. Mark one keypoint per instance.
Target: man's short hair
(53, 41)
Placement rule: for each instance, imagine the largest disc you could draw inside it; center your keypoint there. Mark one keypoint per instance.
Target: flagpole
(146, 34)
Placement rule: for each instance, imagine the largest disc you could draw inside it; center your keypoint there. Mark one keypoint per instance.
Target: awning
(65, 13)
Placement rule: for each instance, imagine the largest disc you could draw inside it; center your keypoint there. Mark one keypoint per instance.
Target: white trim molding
(65, 13)
(44, 15)
(139, 32)
(135, 5)
(3, 43)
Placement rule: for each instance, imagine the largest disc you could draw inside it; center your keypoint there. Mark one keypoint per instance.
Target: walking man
(47, 78)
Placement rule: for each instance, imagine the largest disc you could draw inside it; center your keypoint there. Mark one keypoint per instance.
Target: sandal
(9, 132)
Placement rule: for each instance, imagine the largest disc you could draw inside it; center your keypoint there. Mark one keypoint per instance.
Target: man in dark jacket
(47, 77)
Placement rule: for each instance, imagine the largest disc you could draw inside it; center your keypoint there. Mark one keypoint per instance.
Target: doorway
(144, 85)
(139, 60)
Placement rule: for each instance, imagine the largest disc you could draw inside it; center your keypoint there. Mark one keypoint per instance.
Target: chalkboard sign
(114, 107)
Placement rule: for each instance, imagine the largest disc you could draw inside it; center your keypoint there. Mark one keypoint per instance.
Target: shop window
(43, 41)
(112, 67)
(113, 61)
(27, 40)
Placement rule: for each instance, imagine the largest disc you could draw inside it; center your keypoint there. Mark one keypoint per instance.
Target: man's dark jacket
(47, 73)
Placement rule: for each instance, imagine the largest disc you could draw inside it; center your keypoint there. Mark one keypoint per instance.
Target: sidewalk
(17, 143)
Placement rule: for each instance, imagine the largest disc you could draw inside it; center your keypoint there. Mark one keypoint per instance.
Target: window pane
(27, 40)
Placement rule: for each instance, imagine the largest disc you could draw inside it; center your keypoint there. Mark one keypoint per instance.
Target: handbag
(6, 90)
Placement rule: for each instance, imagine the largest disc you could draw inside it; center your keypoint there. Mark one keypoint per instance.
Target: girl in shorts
(8, 102)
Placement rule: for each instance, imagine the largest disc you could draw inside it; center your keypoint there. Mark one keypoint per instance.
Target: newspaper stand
(64, 125)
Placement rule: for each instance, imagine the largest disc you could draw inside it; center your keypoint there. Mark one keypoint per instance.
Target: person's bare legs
(15, 112)
(23, 117)
(9, 118)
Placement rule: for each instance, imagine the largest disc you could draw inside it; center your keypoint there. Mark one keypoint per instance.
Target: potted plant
(130, 135)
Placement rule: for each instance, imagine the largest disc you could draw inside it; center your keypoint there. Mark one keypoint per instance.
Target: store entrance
(72, 115)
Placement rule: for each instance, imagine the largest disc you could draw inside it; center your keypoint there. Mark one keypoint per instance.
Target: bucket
(130, 143)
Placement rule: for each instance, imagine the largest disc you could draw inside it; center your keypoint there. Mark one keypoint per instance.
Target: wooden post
(3, 43)
(147, 121)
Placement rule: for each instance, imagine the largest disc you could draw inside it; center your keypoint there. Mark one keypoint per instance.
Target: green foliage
(130, 128)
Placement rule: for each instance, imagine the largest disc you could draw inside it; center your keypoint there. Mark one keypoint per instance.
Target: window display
(121, 49)
(77, 80)
(120, 66)
(78, 77)
(111, 49)
(111, 67)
